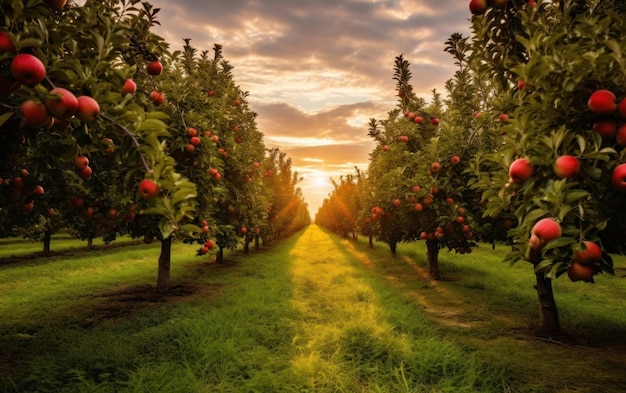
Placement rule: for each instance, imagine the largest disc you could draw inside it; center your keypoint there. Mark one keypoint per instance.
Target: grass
(316, 313)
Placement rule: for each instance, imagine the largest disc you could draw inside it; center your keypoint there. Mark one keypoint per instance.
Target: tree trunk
(392, 247)
(219, 256)
(549, 325)
(246, 245)
(46, 242)
(432, 255)
(370, 241)
(163, 278)
(256, 242)
(90, 243)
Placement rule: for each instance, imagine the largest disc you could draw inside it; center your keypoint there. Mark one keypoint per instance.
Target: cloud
(318, 70)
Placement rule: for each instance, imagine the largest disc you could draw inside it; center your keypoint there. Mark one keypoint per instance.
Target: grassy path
(315, 313)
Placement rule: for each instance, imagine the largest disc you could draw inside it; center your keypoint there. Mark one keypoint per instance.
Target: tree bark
(246, 245)
(256, 242)
(549, 324)
(90, 243)
(392, 247)
(163, 277)
(46, 242)
(370, 241)
(219, 256)
(432, 256)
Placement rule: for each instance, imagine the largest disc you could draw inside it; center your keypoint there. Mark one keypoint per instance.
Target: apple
(418, 207)
(460, 220)
(455, 160)
(520, 170)
(157, 97)
(618, 178)
(190, 148)
(109, 147)
(478, 7)
(521, 85)
(61, 103)
(27, 69)
(602, 103)
(34, 114)
(194, 140)
(577, 272)
(566, 167)
(192, 131)
(38, 190)
(435, 121)
(396, 202)
(450, 201)
(435, 167)
(17, 182)
(56, 5)
(236, 102)
(81, 162)
(85, 173)
(112, 213)
(504, 118)
(591, 254)
(148, 189)
(88, 109)
(606, 127)
(418, 119)
(543, 231)
(209, 244)
(210, 93)
(416, 188)
(27, 207)
(154, 68)
(130, 87)
(386, 148)
(6, 43)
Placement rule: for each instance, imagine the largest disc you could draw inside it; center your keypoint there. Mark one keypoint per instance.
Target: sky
(318, 70)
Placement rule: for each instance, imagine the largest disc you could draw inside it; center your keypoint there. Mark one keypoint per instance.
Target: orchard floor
(313, 313)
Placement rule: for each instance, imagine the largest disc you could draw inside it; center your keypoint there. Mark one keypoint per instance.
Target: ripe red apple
(396, 202)
(455, 160)
(81, 162)
(38, 190)
(478, 7)
(543, 231)
(85, 173)
(56, 5)
(34, 114)
(130, 87)
(244, 230)
(61, 103)
(460, 220)
(418, 207)
(504, 118)
(577, 272)
(157, 97)
(236, 102)
(618, 178)
(566, 167)
(435, 167)
(27, 69)
(27, 207)
(112, 213)
(521, 85)
(602, 103)
(215, 138)
(109, 147)
(154, 68)
(209, 244)
(190, 148)
(148, 189)
(6, 43)
(418, 119)
(590, 255)
(88, 109)
(210, 93)
(386, 148)
(520, 170)
(434, 121)
(606, 127)
(416, 188)
(194, 140)
(192, 131)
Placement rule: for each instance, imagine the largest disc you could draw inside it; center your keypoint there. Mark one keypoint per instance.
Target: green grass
(313, 314)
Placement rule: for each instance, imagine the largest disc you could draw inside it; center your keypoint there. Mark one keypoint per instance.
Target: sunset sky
(318, 70)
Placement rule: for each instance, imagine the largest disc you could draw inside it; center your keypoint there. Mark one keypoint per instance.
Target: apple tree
(560, 163)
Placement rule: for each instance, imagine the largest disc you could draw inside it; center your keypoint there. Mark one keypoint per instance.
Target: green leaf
(191, 228)
(165, 227)
(5, 117)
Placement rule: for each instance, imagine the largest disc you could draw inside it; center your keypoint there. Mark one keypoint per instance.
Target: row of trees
(105, 131)
(526, 148)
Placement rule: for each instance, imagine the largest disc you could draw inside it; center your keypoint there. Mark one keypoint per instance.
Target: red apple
(130, 87)
(602, 102)
(85, 173)
(435, 167)
(520, 170)
(418, 119)
(154, 67)
(109, 147)
(396, 202)
(577, 272)
(148, 189)
(455, 160)
(543, 231)
(27, 69)
(566, 167)
(112, 213)
(34, 114)
(236, 102)
(88, 109)
(194, 140)
(434, 121)
(81, 162)
(6, 43)
(478, 7)
(591, 254)
(157, 97)
(618, 177)
(27, 207)
(606, 127)
(418, 207)
(210, 93)
(504, 118)
(61, 103)
(38, 190)
(416, 188)
(521, 85)
(192, 131)
(215, 138)
(620, 136)
(190, 148)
